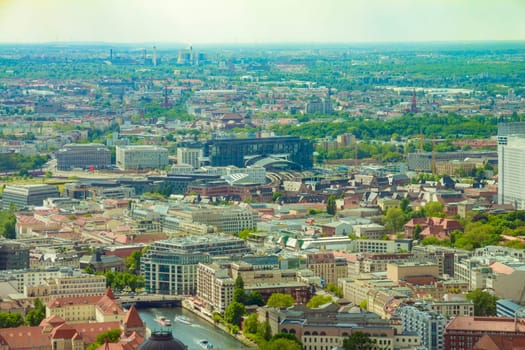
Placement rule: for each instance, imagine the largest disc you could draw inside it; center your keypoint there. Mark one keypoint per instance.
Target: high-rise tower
(154, 56)
(413, 106)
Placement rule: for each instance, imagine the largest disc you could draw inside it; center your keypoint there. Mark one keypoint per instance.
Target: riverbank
(189, 306)
(191, 333)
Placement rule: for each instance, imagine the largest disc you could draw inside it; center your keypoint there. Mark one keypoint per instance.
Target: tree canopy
(280, 300)
(35, 316)
(358, 341)
(484, 302)
(7, 224)
(234, 312)
(318, 300)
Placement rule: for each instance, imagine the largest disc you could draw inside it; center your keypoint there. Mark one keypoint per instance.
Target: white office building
(191, 156)
(141, 157)
(511, 170)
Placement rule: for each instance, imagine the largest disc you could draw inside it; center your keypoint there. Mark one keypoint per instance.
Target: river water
(190, 334)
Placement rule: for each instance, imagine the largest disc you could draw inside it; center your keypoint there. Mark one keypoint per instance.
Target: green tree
(288, 336)
(239, 295)
(244, 234)
(276, 196)
(417, 231)
(358, 341)
(10, 320)
(338, 291)
(434, 209)
(281, 344)
(239, 283)
(90, 270)
(133, 261)
(255, 298)
(318, 300)
(112, 336)
(250, 324)
(234, 312)
(404, 205)
(35, 316)
(8, 223)
(331, 207)
(280, 300)
(394, 219)
(264, 330)
(484, 302)
(122, 280)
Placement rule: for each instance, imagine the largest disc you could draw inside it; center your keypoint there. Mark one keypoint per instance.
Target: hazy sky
(260, 21)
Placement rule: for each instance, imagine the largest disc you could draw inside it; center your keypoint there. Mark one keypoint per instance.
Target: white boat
(205, 344)
(163, 321)
(182, 319)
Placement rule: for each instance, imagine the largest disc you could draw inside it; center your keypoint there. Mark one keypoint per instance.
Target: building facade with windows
(83, 156)
(291, 150)
(22, 196)
(13, 255)
(511, 161)
(229, 220)
(141, 157)
(170, 266)
(190, 156)
(429, 325)
(214, 287)
(171, 272)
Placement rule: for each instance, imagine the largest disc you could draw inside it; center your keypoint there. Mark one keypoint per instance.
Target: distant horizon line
(268, 43)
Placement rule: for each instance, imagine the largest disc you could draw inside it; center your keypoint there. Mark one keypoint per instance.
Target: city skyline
(271, 21)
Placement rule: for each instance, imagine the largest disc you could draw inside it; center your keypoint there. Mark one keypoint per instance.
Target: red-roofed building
(463, 332)
(499, 342)
(54, 333)
(432, 227)
(86, 309)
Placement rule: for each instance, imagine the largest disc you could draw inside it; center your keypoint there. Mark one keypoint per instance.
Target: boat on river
(205, 344)
(182, 319)
(163, 321)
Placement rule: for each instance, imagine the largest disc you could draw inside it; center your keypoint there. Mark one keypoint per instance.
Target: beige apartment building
(68, 287)
(214, 287)
(401, 270)
(101, 308)
(216, 283)
(323, 333)
(230, 220)
(327, 266)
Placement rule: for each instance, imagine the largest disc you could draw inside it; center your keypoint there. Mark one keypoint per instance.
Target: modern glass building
(270, 152)
(171, 272)
(170, 266)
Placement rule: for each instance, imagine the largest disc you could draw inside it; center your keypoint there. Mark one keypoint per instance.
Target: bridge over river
(144, 301)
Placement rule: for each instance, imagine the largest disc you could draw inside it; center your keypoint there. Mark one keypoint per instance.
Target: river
(190, 334)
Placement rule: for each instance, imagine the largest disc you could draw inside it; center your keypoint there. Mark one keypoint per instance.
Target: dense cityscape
(290, 196)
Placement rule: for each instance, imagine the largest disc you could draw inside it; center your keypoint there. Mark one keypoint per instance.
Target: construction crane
(433, 141)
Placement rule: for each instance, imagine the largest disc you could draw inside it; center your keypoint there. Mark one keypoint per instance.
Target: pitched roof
(106, 305)
(90, 331)
(482, 324)
(109, 293)
(60, 302)
(133, 319)
(64, 332)
(52, 320)
(499, 342)
(25, 337)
